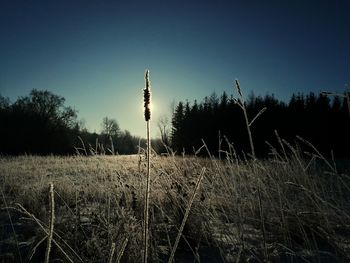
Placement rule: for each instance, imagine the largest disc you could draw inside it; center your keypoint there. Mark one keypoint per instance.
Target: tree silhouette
(177, 127)
(164, 129)
(110, 127)
(313, 117)
(39, 123)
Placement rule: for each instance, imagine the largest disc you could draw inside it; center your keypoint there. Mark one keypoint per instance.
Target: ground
(288, 208)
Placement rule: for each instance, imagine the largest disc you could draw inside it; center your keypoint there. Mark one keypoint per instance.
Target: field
(291, 207)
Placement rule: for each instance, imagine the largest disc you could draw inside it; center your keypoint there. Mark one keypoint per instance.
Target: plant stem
(52, 220)
(146, 214)
(248, 130)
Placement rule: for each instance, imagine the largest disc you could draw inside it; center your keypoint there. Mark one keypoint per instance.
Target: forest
(41, 123)
(321, 119)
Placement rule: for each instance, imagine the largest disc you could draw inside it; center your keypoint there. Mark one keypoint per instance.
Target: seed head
(238, 88)
(147, 97)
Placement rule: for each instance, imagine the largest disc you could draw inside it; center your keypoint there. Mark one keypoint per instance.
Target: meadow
(291, 207)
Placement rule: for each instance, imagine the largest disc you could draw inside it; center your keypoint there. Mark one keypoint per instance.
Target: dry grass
(289, 208)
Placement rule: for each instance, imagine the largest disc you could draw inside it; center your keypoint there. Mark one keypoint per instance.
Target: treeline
(41, 124)
(323, 121)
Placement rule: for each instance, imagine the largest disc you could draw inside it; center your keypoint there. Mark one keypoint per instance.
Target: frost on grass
(280, 210)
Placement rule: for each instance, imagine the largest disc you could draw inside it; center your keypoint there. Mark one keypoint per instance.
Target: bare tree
(164, 129)
(110, 131)
(110, 127)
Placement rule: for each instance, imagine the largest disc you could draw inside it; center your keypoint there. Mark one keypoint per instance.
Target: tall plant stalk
(147, 113)
(52, 221)
(241, 103)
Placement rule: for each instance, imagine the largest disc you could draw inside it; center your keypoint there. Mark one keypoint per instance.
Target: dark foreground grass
(288, 208)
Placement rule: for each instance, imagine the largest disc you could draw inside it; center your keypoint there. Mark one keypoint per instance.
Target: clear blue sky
(94, 53)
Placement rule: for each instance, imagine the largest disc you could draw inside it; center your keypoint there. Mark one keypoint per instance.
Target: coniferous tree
(177, 127)
(312, 117)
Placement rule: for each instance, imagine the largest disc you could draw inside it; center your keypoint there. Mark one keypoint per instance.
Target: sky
(95, 53)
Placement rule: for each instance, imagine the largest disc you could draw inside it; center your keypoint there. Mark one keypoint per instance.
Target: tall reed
(241, 103)
(147, 113)
(52, 221)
